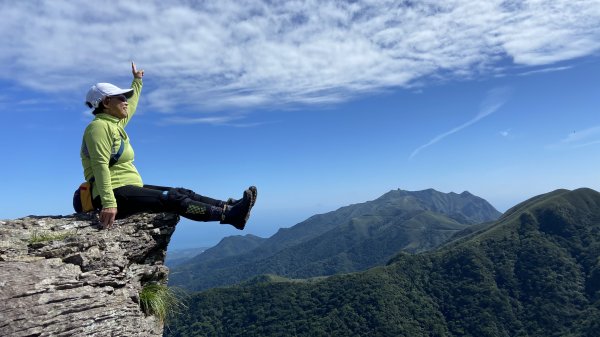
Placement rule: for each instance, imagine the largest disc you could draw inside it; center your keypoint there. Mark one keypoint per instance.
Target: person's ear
(105, 101)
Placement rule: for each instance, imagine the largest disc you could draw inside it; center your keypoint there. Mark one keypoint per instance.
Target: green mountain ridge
(352, 238)
(233, 245)
(534, 272)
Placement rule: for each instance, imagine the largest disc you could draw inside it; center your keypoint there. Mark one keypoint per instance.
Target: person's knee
(173, 199)
(183, 191)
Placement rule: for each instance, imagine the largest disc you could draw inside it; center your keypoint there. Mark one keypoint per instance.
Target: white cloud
(494, 99)
(217, 55)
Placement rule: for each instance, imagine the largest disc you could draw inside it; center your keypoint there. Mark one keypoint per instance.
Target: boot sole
(250, 193)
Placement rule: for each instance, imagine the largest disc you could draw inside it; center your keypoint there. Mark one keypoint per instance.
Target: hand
(107, 217)
(136, 73)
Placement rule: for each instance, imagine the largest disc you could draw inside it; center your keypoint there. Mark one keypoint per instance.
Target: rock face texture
(65, 276)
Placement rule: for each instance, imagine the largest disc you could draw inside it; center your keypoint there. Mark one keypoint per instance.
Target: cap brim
(128, 93)
(125, 92)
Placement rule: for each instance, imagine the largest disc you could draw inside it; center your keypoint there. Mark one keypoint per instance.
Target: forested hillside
(352, 238)
(535, 272)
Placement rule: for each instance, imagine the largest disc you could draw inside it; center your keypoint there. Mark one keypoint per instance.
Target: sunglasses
(121, 98)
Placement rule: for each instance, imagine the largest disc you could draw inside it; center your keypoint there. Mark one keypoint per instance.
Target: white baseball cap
(100, 90)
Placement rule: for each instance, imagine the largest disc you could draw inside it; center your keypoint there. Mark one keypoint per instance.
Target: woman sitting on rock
(117, 188)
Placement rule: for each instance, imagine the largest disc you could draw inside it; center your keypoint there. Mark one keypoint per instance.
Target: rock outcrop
(65, 276)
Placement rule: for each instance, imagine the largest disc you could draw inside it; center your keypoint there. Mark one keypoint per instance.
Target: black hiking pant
(156, 199)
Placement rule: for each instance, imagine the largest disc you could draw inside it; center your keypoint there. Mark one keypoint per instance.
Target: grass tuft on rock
(44, 236)
(161, 301)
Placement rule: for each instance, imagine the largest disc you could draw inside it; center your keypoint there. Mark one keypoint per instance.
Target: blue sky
(319, 103)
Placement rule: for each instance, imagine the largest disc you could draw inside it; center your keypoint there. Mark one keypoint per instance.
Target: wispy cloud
(505, 133)
(545, 70)
(227, 120)
(586, 144)
(198, 120)
(582, 138)
(224, 54)
(579, 136)
(492, 102)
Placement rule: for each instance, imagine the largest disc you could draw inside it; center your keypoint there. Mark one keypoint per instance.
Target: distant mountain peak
(534, 272)
(463, 207)
(350, 238)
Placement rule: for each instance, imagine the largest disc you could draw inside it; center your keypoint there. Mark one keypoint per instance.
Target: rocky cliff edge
(65, 276)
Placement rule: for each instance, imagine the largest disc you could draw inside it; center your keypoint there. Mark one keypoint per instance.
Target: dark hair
(98, 110)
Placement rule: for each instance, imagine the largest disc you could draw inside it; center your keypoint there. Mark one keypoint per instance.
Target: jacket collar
(107, 117)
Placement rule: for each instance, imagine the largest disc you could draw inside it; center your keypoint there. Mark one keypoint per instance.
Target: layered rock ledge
(65, 276)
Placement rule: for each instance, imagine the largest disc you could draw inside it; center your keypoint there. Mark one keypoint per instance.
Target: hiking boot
(254, 192)
(237, 214)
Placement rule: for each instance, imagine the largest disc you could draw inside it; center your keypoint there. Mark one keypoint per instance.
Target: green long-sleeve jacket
(102, 139)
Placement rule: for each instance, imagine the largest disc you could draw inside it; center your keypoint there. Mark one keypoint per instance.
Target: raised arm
(136, 85)
(136, 73)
